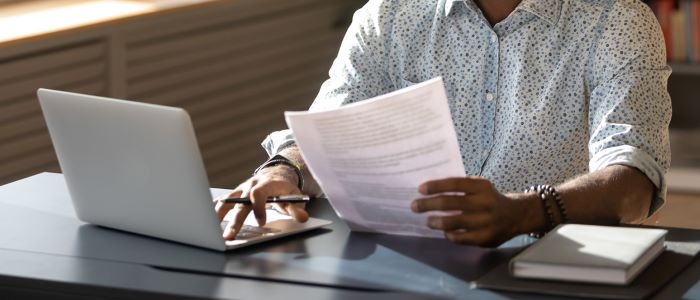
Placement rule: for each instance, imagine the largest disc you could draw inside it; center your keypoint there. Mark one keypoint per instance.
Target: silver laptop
(137, 167)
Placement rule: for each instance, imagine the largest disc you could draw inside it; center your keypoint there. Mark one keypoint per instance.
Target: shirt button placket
(490, 96)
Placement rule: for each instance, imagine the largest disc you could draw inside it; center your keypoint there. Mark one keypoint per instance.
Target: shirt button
(494, 38)
(489, 96)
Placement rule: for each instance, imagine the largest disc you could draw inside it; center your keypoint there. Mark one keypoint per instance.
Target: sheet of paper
(370, 157)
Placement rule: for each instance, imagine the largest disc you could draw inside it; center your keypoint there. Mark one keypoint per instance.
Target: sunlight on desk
(29, 20)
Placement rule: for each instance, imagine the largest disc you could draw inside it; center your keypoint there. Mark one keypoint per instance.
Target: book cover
(589, 253)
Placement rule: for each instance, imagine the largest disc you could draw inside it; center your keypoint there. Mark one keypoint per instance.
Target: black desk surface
(41, 239)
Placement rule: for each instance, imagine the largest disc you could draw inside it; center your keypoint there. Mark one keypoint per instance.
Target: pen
(277, 199)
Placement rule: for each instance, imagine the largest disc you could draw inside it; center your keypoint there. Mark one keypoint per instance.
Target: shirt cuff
(636, 158)
(277, 140)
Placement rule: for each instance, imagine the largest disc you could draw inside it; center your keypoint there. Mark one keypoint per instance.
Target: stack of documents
(370, 157)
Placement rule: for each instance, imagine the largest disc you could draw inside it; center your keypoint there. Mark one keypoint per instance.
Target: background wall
(235, 66)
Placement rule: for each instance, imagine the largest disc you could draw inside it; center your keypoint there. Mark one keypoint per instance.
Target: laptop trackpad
(277, 225)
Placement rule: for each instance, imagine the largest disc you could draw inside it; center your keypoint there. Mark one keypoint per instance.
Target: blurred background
(235, 66)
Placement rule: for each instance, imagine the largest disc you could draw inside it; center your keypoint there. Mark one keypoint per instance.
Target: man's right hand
(272, 181)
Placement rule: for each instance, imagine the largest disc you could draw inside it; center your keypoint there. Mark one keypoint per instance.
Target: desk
(45, 250)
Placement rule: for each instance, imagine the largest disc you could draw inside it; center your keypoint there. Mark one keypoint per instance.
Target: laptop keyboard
(249, 232)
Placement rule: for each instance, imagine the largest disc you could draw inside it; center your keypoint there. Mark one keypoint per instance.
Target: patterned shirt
(557, 89)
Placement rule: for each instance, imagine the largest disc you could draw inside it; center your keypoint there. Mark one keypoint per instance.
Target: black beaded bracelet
(560, 204)
(547, 209)
(544, 192)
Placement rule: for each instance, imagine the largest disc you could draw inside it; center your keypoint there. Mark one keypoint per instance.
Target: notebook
(589, 253)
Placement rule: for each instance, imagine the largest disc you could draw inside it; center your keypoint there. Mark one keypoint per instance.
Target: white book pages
(370, 157)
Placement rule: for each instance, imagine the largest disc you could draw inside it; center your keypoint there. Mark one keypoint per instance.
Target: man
(568, 93)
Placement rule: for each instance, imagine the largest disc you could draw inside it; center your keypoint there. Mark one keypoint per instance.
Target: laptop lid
(132, 166)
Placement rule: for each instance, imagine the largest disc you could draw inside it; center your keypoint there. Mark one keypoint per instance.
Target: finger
(297, 211)
(260, 193)
(234, 227)
(446, 203)
(467, 185)
(258, 197)
(463, 221)
(223, 208)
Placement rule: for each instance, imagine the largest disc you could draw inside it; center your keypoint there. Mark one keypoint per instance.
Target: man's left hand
(484, 217)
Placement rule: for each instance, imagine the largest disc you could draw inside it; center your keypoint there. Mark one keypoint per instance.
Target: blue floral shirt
(557, 89)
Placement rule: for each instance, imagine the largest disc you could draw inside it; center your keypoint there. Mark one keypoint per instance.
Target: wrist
(532, 218)
(278, 160)
(280, 172)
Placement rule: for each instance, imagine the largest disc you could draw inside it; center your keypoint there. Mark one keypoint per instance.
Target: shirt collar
(548, 10)
(451, 4)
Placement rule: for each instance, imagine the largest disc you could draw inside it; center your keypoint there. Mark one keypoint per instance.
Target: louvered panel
(252, 122)
(36, 65)
(279, 62)
(32, 170)
(235, 122)
(36, 136)
(203, 90)
(243, 93)
(147, 59)
(226, 70)
(230, 136)
(79, 73)
(20, 108)
(229, 144)
(237, 163)
(24, 126)
(27, 105)
(211, 60)
(231, 14)
(219, 125)
(232, 149)
(229, 150)
(26, 146)
(246, 99)
(237, 172)
(29, 164)
(32, 122)
(263, 103)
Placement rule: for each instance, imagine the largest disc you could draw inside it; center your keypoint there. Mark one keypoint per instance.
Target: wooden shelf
(685, 68)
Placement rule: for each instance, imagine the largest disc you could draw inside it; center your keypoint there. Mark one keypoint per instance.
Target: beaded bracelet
(560, 204)
(544, 192)
(547, 209)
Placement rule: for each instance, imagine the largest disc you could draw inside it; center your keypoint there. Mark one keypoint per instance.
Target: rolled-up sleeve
(356, 73)
(630, 108)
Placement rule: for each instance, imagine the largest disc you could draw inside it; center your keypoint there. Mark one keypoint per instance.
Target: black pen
(276, 199)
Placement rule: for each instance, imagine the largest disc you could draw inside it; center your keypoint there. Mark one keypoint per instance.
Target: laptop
(137, 167)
